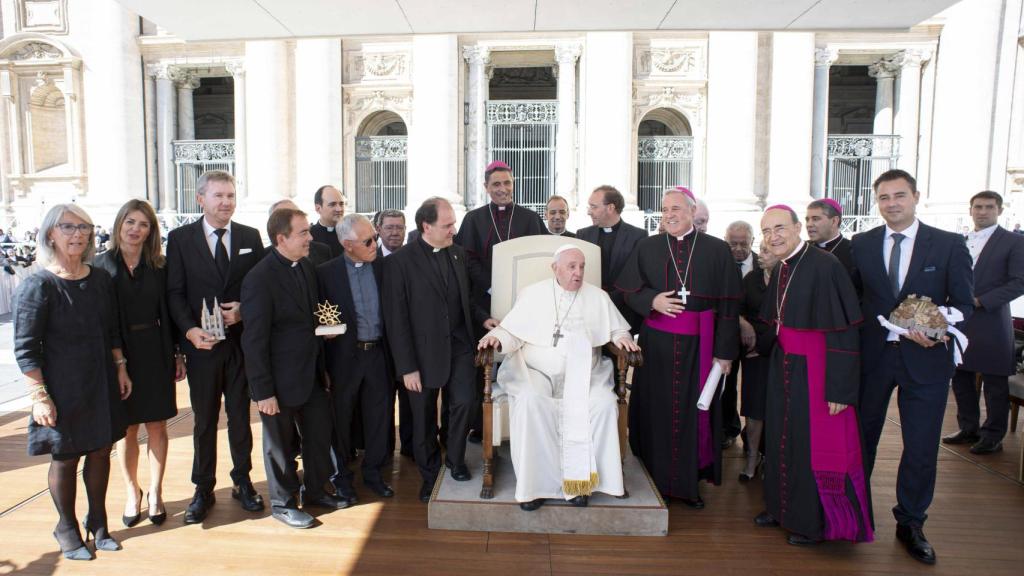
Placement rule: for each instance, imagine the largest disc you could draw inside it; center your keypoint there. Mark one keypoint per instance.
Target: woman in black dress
(136, 264)
(755, 363)
(67, 344)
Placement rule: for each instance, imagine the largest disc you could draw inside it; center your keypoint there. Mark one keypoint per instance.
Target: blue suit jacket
(940, 268)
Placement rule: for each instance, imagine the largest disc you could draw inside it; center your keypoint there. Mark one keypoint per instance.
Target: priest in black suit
(616, 238)
(739, 235)
(285, 366)
(900, 258)
(998, 257)
(318, 251)
(208, 260)
(430, 330)
(330, 207)
(358, 360)
(556, 213)
(823, 219)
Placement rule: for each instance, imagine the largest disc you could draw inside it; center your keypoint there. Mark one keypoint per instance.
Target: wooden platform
(976, 525)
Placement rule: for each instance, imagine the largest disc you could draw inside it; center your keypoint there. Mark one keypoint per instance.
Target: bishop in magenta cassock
(686, 286)
(814, 485)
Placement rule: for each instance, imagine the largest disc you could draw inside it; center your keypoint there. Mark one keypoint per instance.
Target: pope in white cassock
(564, 412)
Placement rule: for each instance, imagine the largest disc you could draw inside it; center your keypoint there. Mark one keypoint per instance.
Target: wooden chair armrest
(624, 358)
(484, 357)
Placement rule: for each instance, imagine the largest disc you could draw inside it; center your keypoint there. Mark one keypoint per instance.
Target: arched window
(381, 163)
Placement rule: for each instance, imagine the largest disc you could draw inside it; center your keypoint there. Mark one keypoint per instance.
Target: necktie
(894, 263)
(220, 254)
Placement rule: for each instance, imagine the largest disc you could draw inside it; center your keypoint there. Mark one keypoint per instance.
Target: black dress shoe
(961, 437)
(460, 473)
(132, 520)
(799, 540)
(329, 501)
(580, 501)
(765, 520)
(426, 489)
(695, 503)
(917, 545)
(475, 436)
(380, 488)
(199, 507)
(346, 492)
(987, 446)
(247, 497)
(531, 505)
(292, 517)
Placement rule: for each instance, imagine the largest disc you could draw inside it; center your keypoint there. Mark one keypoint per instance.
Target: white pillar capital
(186, 80)
(885, 68)
(566, 53)
(476, 55)
(825, 57)
(914, 57)
(235, 67)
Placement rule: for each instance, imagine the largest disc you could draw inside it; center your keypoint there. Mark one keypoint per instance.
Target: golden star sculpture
(327, 314)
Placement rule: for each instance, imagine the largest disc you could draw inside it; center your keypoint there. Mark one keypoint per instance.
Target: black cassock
(814, 479)
(663, 415)
(840, 248)
(484, 227)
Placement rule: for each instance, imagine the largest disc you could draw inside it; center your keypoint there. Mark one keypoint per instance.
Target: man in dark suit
(823, 219)
(208, 260)
(284, 364)
(556, 212)
(391, 228)
(740, 237)
(616, 239)
(998, 257)
(318, 251)
(906, 257)
(330, 207)
(358, 361)
(429, 327)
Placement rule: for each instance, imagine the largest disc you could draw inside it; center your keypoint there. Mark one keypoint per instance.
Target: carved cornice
(675, 62)
(377, 66)
(691, 101)
(361, 104)
(36, 51)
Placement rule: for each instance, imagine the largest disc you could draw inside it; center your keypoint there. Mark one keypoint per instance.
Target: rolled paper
(707, 394)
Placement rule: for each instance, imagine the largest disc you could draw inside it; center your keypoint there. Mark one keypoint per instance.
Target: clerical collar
(353, 263)
(838, 236)
(687, 233)
(284, 260)
(501, 208)
(328, 228)
(610, 229)
(427, 246)
(796, 251)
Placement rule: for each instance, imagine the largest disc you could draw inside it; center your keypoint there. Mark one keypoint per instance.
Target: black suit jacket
(283, 355)
(334, 287)
(416, 313)
(625, 240)
(940, 268)
(998, 280)
(319, 253)
(567, 234)
(192, 276)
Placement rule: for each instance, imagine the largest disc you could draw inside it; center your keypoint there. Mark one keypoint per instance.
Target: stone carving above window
(49, 16)
(36, 51)
(676, 62)
(377, 66)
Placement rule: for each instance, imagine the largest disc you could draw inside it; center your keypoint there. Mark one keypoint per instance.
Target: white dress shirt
(976, 241)
(906, 251)
(211, 238)
(747, 265)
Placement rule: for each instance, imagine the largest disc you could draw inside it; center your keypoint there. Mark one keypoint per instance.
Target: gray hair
(213, 176)
(44, 248)
(689, 201)
(346, 229)
(741, 225)
(281, 203)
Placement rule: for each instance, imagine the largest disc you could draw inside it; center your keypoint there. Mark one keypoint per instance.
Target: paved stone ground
(11, 388)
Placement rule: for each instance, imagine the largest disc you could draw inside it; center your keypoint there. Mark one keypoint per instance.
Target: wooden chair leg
(487, 491)
(1013, 416)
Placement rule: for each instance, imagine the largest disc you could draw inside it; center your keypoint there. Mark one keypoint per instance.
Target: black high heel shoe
(107, 543)
(757, 471)
(130, 521)
(74, 550)
(157, 519)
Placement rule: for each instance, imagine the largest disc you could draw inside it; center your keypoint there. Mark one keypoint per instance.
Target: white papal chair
(516, 264)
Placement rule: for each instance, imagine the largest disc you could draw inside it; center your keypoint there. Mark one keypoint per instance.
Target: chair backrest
(520, 262)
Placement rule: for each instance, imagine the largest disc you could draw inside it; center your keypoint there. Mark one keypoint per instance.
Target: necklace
(683, 292)
(557, 334)
(508, 232)
(780, 304)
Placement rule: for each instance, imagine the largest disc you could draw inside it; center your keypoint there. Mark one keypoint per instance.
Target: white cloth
(906, 251)
(211, 238)
(554, 442)
(976, 242)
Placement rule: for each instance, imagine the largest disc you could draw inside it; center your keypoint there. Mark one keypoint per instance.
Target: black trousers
(313, 420)
(368, 390)
(211, 375)
(997, 404)
(921, 407)
(462, 397)
(730, 415)
(404, 420)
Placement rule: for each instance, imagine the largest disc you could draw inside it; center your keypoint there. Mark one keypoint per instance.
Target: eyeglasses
(68, 229)
(368, 242)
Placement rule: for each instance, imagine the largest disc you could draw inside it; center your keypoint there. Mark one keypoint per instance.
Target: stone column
(478, 58)
(908, 116)
(792, 105)
(318, 122)
(186, 84)
(433, 129)
(237, 71)
(149, 101)
(166, 130)
(884, 72)
(566, 55)
(269, 133)
(823, 59)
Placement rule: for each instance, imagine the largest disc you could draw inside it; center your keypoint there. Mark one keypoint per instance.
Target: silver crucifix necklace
(557, 334)
(683, 292)
(781, 304)
(508, 232)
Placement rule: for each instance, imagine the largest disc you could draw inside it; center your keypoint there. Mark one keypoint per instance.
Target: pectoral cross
(683, 293)
(556, 335)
